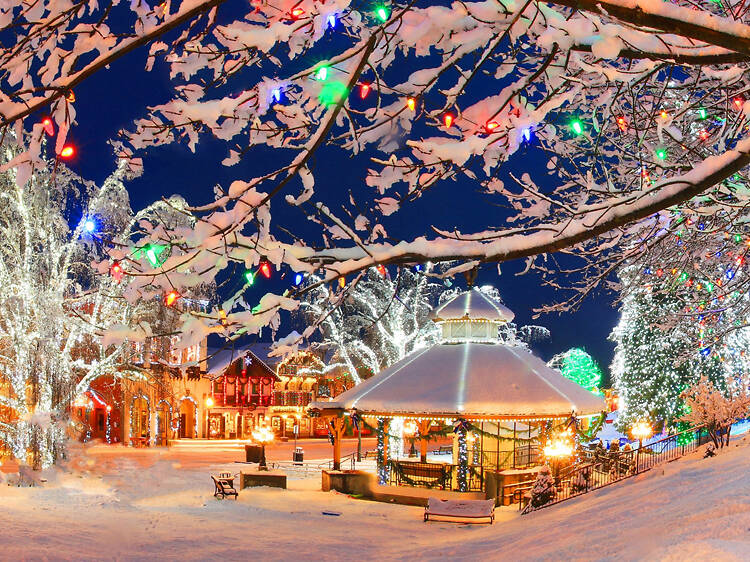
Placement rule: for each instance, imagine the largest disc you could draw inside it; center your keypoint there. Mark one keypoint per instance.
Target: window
(175, 353)
(136, 348)
(193, 353)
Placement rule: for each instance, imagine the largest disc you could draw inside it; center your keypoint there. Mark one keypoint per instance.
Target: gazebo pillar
(337, 425)
(382, 451)
(424, 429)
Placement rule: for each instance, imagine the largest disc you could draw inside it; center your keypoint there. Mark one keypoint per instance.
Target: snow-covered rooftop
(220, 359)
(468, 379)
(473, 304)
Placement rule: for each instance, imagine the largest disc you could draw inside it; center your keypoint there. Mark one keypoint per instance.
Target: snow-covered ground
(136, 505)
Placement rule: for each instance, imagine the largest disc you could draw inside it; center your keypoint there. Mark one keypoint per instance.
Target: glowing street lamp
(559, 449)
(263, 435)
(641, 430)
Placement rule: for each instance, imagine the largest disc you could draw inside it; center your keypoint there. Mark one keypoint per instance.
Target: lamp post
(641, 430)
(410, 430)
(263, 435)
(209, 404)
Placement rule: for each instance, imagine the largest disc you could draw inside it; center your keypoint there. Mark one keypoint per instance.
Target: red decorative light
(491, 126)
(622, 123)
(364, 89)
(116, 271)
(67, 151)
(171, 297)
(664, 114)
(342, 282)
(71, 97)
(703, 134)
(411, 103)
(659, 272)
(448, 119)
(49, 126)
(738, 101)
(265, 269)
(381, 269)
(296, 13)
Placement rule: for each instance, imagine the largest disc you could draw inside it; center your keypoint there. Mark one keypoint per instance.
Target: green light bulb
(382, 13)
(249, 277)
(577, 126)
(661, 153)
(702, 113)
(322, 73)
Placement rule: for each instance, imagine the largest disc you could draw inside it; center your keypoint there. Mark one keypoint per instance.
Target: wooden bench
(443, 450)
(461, 509)
(223, 487)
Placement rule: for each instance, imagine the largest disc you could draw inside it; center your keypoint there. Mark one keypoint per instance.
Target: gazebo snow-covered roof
(470, 380)
(472, 305)
(471, 374)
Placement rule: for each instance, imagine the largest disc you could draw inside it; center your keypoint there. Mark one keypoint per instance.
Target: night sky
(112, 99)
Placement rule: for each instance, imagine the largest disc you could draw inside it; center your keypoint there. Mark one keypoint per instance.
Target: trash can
(298, 456)
(253, 453)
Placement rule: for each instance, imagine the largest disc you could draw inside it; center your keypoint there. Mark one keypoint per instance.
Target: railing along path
(603, 469)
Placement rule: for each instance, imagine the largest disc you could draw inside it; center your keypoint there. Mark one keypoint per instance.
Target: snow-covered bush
(543, 490)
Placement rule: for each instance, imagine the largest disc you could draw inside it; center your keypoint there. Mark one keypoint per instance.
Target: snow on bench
(470, 509)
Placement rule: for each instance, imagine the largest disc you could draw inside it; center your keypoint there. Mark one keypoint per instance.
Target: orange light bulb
(67, 151)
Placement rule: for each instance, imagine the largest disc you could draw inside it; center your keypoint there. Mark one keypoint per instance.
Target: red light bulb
(49, 126)
(364, 89)
(381, 269)
(265, 269)
(622, 123)
(411, 103)
(297, 13)
(491, 126)
(448, 119)
(116, 271)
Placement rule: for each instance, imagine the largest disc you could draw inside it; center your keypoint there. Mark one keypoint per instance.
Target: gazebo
(499, 401)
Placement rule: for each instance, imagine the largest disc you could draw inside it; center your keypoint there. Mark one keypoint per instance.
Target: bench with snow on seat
(460, 509)
(224, 486)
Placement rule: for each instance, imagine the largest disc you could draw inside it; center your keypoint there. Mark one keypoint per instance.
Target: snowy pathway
(121, 507)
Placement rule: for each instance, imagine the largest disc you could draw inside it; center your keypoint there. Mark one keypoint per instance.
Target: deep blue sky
(114, 98)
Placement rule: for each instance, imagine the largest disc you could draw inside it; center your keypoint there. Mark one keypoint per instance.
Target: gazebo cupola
(471, 317)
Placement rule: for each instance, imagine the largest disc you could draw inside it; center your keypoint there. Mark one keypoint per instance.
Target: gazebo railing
(432, 475)
(522, 457)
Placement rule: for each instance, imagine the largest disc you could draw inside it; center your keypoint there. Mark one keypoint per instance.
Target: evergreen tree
(661, 351)
(578, 366)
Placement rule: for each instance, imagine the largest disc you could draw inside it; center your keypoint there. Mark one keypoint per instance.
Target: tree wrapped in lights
(578, 366)
(661, 350)
(379, 319)
(717, 409)
(62, 323)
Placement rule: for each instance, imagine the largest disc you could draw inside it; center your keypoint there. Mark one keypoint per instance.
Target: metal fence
(601, 469)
